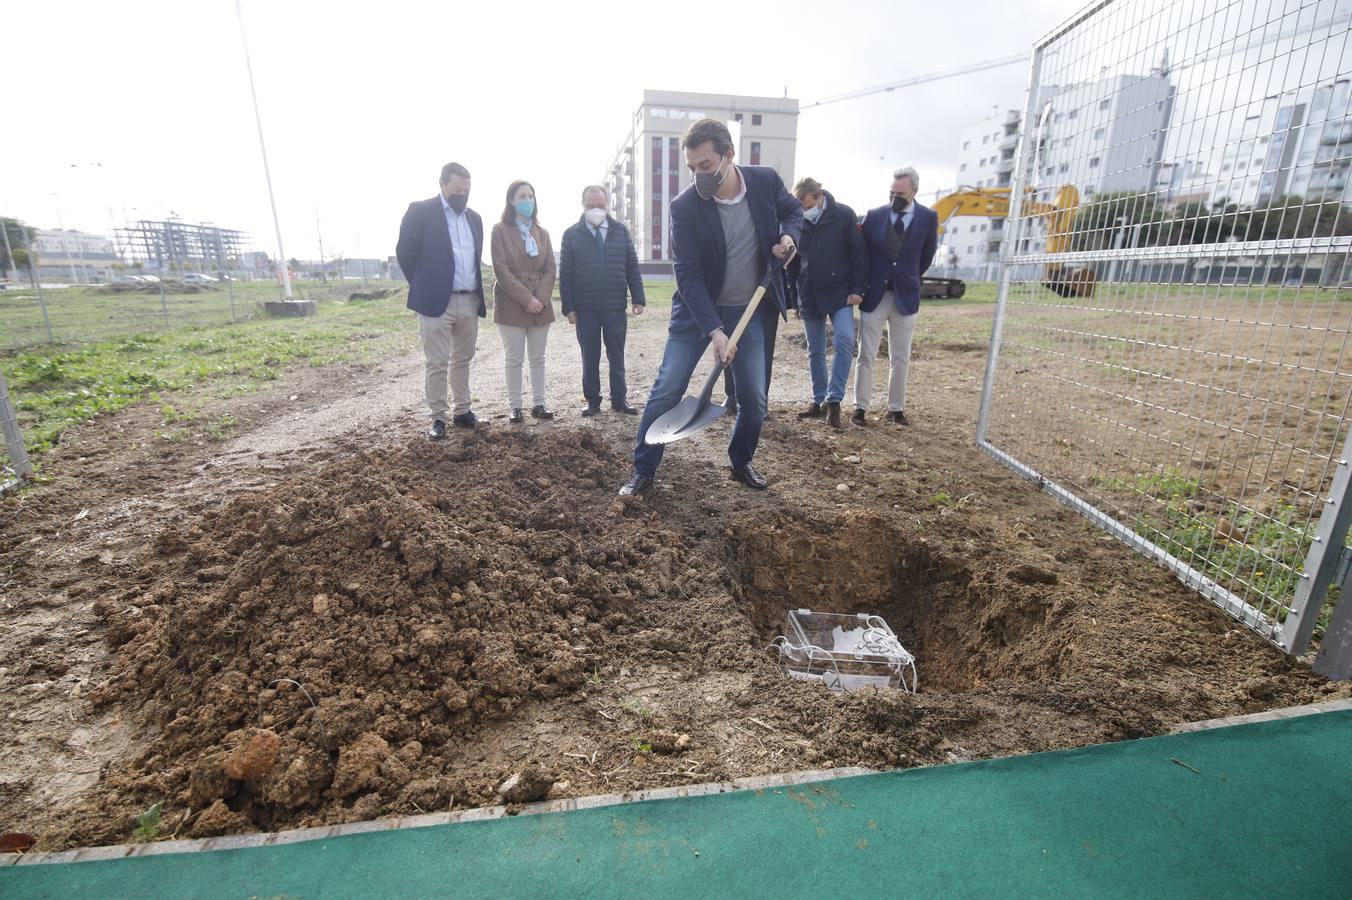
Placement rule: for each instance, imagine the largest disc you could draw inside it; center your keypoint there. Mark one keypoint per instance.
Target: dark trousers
(769, 316)
(593, 327)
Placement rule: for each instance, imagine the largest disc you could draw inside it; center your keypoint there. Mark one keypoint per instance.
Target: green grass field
(57, 386)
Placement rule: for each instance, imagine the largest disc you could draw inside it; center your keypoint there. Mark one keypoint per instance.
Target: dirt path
(554, 628)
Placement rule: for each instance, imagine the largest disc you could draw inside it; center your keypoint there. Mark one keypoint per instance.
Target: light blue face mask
(525, 208)
(813, 214)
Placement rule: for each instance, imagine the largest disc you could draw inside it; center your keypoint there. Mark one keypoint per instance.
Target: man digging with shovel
(723, 232)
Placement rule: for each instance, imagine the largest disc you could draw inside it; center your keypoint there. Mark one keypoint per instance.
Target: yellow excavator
(994, 203)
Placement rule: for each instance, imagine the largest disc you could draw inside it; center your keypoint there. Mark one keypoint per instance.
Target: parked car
(198, 278)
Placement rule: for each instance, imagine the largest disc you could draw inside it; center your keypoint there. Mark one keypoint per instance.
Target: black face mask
(899, 204)
(458, 202)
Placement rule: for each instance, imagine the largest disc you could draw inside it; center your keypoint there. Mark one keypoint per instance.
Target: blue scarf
(532, 249)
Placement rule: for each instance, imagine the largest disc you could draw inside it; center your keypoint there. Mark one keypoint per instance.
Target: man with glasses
(900, 238)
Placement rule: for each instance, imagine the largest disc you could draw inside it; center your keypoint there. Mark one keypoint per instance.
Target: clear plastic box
(846, 652)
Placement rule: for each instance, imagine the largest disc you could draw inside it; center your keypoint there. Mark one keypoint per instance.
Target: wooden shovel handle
(745, 320)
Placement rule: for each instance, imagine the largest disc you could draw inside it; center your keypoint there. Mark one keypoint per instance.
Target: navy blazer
(831, 263)
(914, 261)
(425, 254)
(701, 256)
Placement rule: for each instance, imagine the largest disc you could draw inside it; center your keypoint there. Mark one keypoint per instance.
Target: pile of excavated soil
(445, 625)
(337, 630)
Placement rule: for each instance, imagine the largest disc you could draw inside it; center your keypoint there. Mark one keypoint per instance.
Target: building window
(673, 168)
(737, 117)
(755, 153)
(962, 168)
(1073, 114)
(1104, 104)
(755, 119)
(1099, 133)
(1065, 167)
(985, 139)
(656, 229)
(1093, 162)
(966, 144)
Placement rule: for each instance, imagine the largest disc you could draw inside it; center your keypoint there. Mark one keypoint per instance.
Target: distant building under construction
(176, 246)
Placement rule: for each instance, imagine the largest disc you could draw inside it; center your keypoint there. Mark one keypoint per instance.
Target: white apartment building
(74, 256)
(649, 170)
(1102, 136)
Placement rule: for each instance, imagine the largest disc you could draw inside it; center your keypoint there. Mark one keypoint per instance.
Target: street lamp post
(262, 146)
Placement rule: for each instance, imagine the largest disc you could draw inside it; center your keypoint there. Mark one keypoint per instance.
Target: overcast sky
(362, 102)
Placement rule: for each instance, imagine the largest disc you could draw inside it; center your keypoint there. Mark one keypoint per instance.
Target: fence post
(34, 271)
(1022, 167)
(164, 304)
(9, 425)
(1321, 564)
(230, 286)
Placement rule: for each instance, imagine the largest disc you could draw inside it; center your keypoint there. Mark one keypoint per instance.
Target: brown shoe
(859, 418)
(813, 411)
(833, 415)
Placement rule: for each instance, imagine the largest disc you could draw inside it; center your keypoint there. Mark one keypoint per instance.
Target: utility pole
(262, 146)
(323, 268)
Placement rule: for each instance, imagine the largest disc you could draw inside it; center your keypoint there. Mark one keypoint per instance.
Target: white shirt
(906, 217)
(604, 228)
(462, 248)
(740, 194)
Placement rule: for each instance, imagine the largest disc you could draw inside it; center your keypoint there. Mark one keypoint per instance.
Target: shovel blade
(682, 420)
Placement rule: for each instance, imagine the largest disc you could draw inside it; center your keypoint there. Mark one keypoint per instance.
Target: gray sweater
(746, 259)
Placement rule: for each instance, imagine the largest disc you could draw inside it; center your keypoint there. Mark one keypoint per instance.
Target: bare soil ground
(331, 618)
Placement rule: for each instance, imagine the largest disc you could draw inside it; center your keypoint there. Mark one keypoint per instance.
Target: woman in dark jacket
(832, 275)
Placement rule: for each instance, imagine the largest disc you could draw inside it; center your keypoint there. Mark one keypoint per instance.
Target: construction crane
(994, 203)
(920, 79)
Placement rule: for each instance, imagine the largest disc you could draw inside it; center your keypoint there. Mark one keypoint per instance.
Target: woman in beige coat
(523, 260)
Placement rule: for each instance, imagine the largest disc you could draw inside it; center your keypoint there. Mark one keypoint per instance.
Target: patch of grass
(636, 706)
(147, 825)
(56, 387)
(640, 746)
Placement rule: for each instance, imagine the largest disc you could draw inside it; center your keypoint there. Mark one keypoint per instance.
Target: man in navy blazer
(900, 238)
(441, 242)
(728, 229)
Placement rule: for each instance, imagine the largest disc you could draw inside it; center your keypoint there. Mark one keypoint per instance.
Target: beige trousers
(448, 345)
(517, 343)
(900, 330)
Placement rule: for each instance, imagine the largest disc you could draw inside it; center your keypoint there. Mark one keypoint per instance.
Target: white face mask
(594, 217)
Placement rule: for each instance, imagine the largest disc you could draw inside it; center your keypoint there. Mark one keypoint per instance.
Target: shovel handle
(751, 307)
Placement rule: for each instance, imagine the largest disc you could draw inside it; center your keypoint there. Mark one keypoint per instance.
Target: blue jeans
(682, 354)
(842, 321)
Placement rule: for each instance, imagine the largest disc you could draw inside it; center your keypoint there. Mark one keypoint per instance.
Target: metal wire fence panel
(63, 315)
(14, 465)
(1171, 348)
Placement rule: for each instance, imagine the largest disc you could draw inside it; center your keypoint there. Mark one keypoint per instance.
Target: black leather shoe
(622, 407)
(899, 417)
(859, 418)
(437, 431)
(465, 420)
(516, 418)
(591, 409)
(636, 484)
(833, 415)
(539, 412)
(748, 476)
(813, 411)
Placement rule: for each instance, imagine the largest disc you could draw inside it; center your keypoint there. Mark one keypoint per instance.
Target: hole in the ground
(965, 627)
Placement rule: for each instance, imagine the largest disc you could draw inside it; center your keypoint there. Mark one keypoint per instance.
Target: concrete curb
(1289, 712)
(239, 842)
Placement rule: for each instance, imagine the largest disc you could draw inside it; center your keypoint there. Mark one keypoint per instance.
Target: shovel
(694, 414)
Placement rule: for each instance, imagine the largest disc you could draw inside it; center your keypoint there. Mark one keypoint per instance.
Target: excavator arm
(1060, 216)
